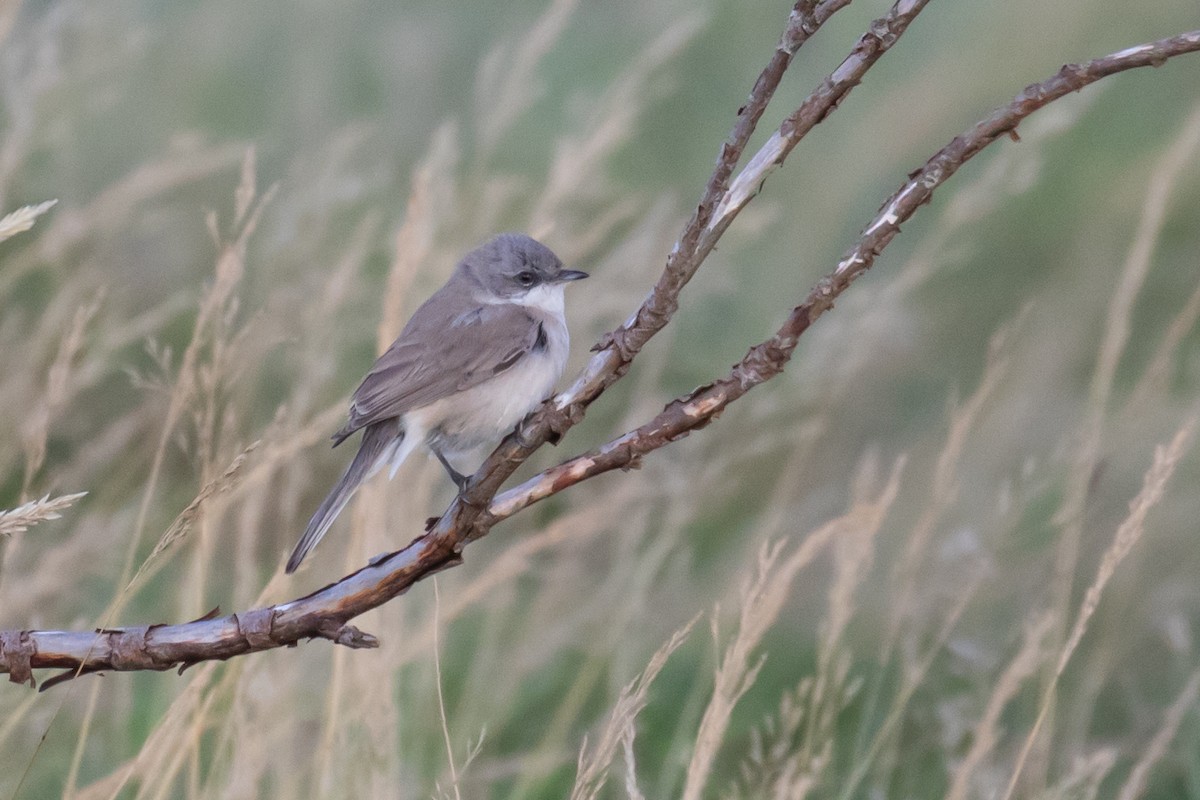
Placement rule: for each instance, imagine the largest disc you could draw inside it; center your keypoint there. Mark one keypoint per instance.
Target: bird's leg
(459, 479)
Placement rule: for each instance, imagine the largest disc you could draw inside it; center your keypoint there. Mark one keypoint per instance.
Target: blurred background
(887, 556)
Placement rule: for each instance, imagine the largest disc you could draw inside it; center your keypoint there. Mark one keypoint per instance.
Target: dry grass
(23, 517)
(22, 219)
(888, 538)
(594, 761)
(987, 734)
(761, 601)
(1130, 531)
(1118, 324)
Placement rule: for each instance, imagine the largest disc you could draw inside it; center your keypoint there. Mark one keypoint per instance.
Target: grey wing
(430, 361)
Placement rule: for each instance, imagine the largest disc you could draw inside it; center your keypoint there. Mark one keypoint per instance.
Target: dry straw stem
(785, 769)
(15, 718)
(160, 760)
(508, 86)
(37, 427)
(71, 227)
(21, 518)
(187, 518)
(913, 678)
(8, 16)
(774, 766)
(986, 734)
(430, 193)
(324, 614)
(853, 556)
(1128, 534)
(1118, 323)
(1088, 771)
(441, 702)
(212, 705)
(761, 602)
(592, 771)
(574, 174)
(1135, 784)
(942, 493)
(22, 219)
(229, 268)
(631, 786)
(1154, 213)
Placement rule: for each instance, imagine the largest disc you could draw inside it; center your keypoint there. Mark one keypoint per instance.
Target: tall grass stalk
(180, 341)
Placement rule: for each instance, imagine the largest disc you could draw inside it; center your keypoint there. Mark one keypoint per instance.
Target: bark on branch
(326, 612)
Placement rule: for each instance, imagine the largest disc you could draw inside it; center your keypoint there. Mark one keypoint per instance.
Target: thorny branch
(469, 515)
(324, 613)
(767, 359)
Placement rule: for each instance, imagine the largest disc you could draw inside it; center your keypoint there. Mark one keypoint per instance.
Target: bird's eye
(525, 278)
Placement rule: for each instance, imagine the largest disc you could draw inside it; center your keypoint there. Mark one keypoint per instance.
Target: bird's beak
(570, 275)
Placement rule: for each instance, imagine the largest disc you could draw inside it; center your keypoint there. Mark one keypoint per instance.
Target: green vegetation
(932, 551)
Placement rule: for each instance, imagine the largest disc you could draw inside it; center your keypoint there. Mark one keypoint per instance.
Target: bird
(473, 360)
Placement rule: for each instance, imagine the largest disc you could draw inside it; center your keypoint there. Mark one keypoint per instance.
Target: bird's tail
(379, 442)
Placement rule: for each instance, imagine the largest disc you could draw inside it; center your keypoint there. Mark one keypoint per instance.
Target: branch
(617, 349)
(161, 647)
(324, 613)
(767, 359)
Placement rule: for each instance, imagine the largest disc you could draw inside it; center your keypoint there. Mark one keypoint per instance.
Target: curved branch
(324, 613)
(164, 646)
(768, 358)
(617, 349)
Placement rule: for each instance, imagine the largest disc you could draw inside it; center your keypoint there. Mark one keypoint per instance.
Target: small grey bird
(475, 358)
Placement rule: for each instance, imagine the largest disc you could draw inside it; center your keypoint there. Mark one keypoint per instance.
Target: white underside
(467, 420)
